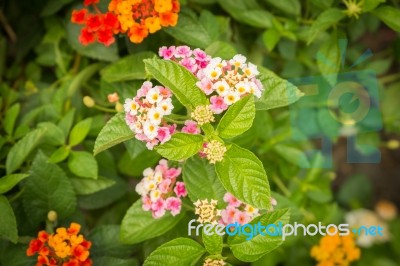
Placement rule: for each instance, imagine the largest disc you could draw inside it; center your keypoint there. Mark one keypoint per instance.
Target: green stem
(17, 195)
(168, 119)
(389, 78)
(101, 108)
(281, 186)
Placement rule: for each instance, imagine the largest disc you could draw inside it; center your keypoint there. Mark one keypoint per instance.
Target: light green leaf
(243, 175)
(48, 188)
(180, 251)
(181, 146)
(201, 181)
(247, 12)
(85, 186)
(21, 150)
(198, 32)
(390, 16)
(369, 5)
(96, 50)
(271, 38)
(139, 225)
(212, 243)
(9, 181)
(292, 155)
(66, 122)
(10, 118)
(54, 135)
(60, 154)
(177, 78)
(128, 68)
(325, 20)
(291, 7)
(83, 164)
(259, 245)
(238, 119)
(329, 59)
(221, 49)
(114, 132)
(8, 228)
(79, 132)
(277, 91)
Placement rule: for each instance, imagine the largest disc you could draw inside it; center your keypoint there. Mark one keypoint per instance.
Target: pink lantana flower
(158, 208)
(180, 189)
(183, 51)
(191, 127)
(174, 205)
(217, 104)
(231, 200)
(166, 52)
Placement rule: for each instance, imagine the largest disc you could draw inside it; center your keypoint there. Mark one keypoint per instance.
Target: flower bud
(52, 216)
(119, 107)
(393, 144)
(88, 101)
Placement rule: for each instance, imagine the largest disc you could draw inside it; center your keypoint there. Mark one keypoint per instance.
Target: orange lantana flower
(66, 247)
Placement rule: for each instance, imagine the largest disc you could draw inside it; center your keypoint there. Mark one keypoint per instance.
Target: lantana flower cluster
(66, 247)
(237, 211)
(97, 26)
(145, 112)
(335, 250)
(160, 190)
(138, 18)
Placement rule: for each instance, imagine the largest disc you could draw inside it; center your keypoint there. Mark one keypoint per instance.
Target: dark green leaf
(8, 228)
(10, 118)
(48, 188)
(325, 20)
(84, 186)
(389, 15)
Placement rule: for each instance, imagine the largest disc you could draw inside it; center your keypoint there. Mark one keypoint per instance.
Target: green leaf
(139, 225)
(10, 118)
(213, 243)
(96, 50)
(390, 16)
(48, 188)
(325, 20)
(114, 132)
(128, 68)
(8, 228)
(9, 181)
(271, 38)
(277, 91)
(82, 76)
(247, 12)
(292, 155)
(66, 122)
(84, 186)
(177, 78)
(198, 32)
(79, 132)
(221, 49)
(60, 154)
(329, 59)
(83, 164)
(106, 242)
(243, 175)
(259, 245)
(369, 5)
(181, 146)
(107, 261)
(21, 150)
(180, 251)
(201, 181)
(238, 119)
(291, 7)
(54, 135)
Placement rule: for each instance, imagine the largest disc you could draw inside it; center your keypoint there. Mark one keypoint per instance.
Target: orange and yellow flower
(139, 18)
(335, 250)
(66, 247)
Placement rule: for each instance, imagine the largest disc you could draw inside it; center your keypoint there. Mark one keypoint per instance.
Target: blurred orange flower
(66, 247)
